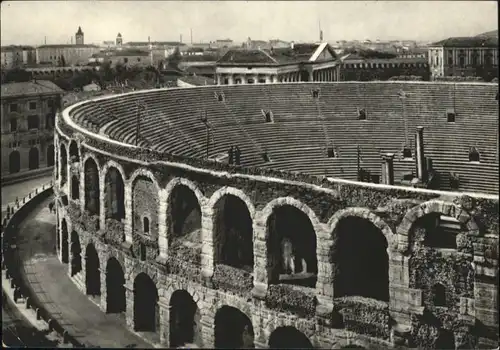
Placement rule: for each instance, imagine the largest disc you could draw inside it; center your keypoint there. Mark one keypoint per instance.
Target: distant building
(17, 56)
(355, 67)
(66, 54)
(469, 56)
(126, 57)
(298, 62)
(72, 54)
(79, 37)
(222, 43)
(27, 120)
(119, 40)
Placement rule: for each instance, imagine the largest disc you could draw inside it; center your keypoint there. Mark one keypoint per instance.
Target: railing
(15, 212)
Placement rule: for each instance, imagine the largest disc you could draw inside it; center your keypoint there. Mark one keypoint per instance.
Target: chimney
(419, 138)
(388, 169)
(181, 38)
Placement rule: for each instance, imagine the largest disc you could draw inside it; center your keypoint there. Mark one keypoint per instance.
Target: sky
(29, 22)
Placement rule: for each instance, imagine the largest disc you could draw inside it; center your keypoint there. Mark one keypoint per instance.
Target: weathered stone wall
(145, 205)
(408, 318)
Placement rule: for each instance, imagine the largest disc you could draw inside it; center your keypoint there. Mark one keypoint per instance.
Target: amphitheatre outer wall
(91, 238)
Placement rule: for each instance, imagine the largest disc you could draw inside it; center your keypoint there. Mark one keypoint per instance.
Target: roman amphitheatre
(174, 206)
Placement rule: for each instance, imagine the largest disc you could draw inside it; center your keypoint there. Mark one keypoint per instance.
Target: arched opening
(145, 224)
(74, 156)
(446, 340)
(92, 271)
(145, 304)
(368, 276)
(291, 247)
(438, 231)
(439, 295)
(14, 162)
(76, 249)
(233, 329)
(63, 162)
(289, 338)
(115, 287)
(114, 195)
(233, 233)
(50, 155)
(184, 214)
(75, 188)
(184, 319)
(33, 158)
(145, 202)
(91, 187)
(64, 242)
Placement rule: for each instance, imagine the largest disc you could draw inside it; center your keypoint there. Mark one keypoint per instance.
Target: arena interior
(326, 215)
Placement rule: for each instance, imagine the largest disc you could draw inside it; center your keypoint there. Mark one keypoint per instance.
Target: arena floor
(49, 280)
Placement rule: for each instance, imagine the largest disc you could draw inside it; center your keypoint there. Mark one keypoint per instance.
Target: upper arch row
(402, 231)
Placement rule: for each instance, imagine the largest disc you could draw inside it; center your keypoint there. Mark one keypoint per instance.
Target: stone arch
(184, 203)
(33, 158)
(76, 250)
(74, 151)
(232, 228)
(145, 173)
(50, 155)
(146, 311)
(144, 184)
(404, 230)
(114, 193)
(91, 184)
(233, 329)
(367, 214)
(115, 287)
(356, 232)
(291, 242)
(64, 242)
(288, 337)
(14, 162)
(92, 271)
(63, 163)
(184, 319)
(75, 187)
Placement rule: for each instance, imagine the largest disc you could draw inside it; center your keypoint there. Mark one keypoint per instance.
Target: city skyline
(166, 21)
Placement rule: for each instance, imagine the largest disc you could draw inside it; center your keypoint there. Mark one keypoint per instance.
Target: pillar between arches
(128, 213)
(261, 270)
(207, 249)
(162, 230)
(164, 326)
(102, 199)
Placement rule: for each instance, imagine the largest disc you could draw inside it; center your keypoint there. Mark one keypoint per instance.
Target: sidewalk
(62, 299)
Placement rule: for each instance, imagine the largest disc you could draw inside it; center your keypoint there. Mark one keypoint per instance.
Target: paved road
(49, 279)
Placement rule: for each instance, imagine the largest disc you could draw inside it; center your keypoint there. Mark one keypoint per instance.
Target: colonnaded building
(325, 215)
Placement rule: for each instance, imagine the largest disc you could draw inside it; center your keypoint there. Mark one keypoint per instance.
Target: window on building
(250, 81)
(450, 115)
(450, 58)
(32, 105)
(13, 107)
(361, 114)
(473, 155)
(475, 58)
(461, 60)
(50, 103)
(488, 58)
(439, 295)
(407, 152)
(13, 125)
(142, 251)
(145, 224)
(33, 122)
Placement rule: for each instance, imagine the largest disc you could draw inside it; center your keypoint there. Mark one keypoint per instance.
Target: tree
(175, 58)
(15, 75)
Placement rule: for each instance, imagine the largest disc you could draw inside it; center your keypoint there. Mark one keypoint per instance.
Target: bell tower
(79, 37)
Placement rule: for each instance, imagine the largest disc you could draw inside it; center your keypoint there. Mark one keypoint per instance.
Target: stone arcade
(148, 239)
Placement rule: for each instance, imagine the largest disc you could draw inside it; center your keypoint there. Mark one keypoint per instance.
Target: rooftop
(468, 42)
(299, 53)
(64, 46)
(16, 47)
(29, 88)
